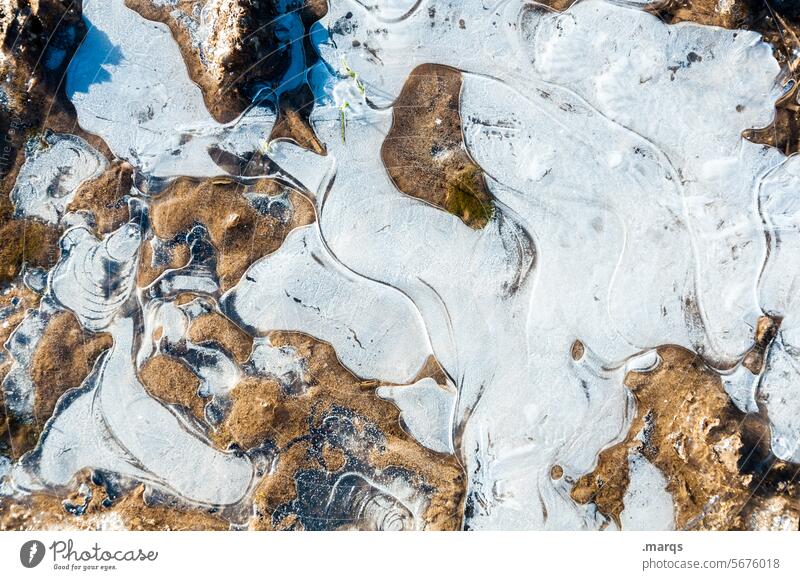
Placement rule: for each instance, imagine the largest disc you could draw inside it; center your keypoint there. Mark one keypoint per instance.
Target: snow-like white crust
(630, 214)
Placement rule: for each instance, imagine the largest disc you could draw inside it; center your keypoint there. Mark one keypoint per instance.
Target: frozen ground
(629, 214)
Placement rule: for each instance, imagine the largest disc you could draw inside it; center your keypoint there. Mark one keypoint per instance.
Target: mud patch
(64, 358)
(96, 504)
(215, 328)
(105, 198)
(687, 427)
(424, 151)
(171, 381)
(242, 222)
(335, 427)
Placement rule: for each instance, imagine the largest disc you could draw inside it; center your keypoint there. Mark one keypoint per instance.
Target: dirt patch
(215, 328)
(293, 123)
(424, 151)
(687, 427)
(577, 350)
(24, 241)
(65, 355)
(242, 229)
(171, 381)
(766, 330)
(304, 429)
(104, 197)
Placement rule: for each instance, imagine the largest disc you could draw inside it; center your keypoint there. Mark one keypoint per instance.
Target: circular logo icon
(31, 553)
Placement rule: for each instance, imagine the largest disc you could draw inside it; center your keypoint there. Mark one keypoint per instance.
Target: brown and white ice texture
(400, 264)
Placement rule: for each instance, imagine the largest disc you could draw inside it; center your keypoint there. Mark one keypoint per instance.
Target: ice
(427, 411)
(54, 168)
(648, 505)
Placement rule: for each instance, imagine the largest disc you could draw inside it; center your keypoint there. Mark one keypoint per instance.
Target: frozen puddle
(129, 85)
(300, 287)
(111, 423)
(610, 188)
(630, 214)
(427, 412)
(53, 171)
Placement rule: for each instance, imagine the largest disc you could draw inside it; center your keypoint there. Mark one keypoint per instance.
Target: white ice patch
(129, 85)
(780, 391)
(691, 91)
(218, 373)
(306, 167)
(375, 330)
(164, 320)
(283, 362)
(51, 175)
(648, 504)
(741, 387)
(95, 277)
(779, 293)
(427, 410)
(17, 386)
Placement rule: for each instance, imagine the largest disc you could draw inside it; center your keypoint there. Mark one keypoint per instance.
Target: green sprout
(343, 117)
(353, 75)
